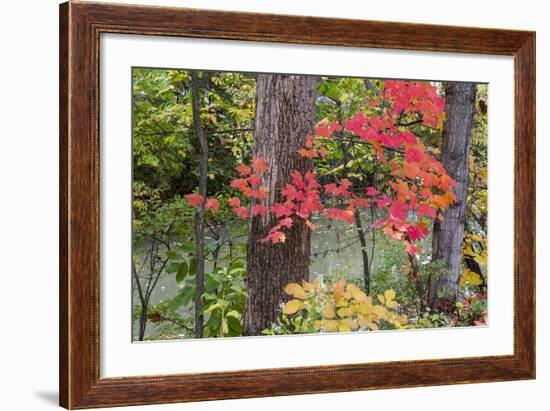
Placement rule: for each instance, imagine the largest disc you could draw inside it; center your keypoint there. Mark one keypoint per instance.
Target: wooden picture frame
(80, 27)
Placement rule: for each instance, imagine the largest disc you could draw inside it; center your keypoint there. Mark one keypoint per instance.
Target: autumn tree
(379, 158)
(448, 234)
(285, 115)
(415, 190)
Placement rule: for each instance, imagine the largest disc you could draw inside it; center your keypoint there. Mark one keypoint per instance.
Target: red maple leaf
(286, 222)
(426, 210)
(289, 192)
(243, 169)
(310, 154)
(297, 180)
(281, 210)
(239, 183)
(254, 180)
(259, 209)
(371, 191)
(234, 202)
(194, 200)
(259, 165)
(259, 194)
(398, 210)
(241, 211)
(339, 214)
(212, 204)
(411, 249)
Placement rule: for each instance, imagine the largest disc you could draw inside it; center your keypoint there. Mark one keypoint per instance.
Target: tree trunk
(364, 254)
(285, 115)
(199, 217)
(448, 235)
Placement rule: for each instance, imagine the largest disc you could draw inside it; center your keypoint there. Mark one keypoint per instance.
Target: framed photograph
(259, 205)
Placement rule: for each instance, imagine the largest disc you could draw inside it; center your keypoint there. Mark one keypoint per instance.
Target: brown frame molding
(81, 24)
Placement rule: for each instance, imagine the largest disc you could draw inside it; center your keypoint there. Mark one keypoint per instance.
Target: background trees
(301, 179)
(166, 167)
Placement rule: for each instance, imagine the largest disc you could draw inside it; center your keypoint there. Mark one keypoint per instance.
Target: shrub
(319, 307)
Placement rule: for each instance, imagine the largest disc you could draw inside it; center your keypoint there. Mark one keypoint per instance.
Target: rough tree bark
(199, 217)
(285, 115)
(449, 234)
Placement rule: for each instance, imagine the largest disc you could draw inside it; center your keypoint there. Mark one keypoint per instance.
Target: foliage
(224, 292)
(471, 311)
(224, 298)
(415, 189)
(319, 307)
(167, 323)
(375, 160)
(433, 320)
(474, 252)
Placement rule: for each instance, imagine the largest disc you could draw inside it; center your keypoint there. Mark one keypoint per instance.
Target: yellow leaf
(293, 306)
(341, 302)
(381, 298)
(343, 328)
(338, 291)
(312, 286)
(340, 284)
(328, 311)
(481, 259)
(471, 277)
(402, 319)
(328, 325)
(389, 296)
(345, 312)
(377, 311)
(350, 323)
(368, 302)
(296, 291)
(357, 293)
(317, 324)
(468, 250)
(365, 307)
(308, 286)
(366, 322)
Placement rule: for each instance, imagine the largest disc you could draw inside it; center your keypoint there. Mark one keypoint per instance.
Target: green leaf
(188, 247)
(235, 327)
(172, 255)
(234, 313)
(212, 308)
(193, 266)
(172, 267)
(211, 286)
(176, 302)
(239, 270)
(183, 269)
(213, 323)
(238, 290)
(188, 294)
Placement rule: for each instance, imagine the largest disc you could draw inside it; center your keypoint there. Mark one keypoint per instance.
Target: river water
(335, 252)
